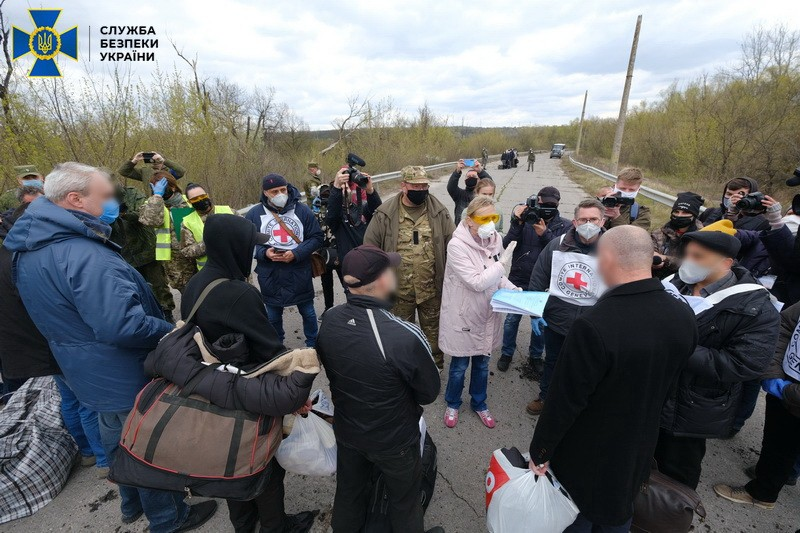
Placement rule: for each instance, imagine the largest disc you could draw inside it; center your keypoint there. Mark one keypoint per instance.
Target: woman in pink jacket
(468, 328)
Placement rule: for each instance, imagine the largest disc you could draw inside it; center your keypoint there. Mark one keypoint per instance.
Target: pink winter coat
(467, 324)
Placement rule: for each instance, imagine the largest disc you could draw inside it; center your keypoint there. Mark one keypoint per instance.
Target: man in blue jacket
(531, 238)
(98, 315)
(284, 263)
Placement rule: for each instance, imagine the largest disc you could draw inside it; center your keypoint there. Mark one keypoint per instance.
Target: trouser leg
(71, 417)
(750, 392)
(510, 330)
(779, 449)
(275, 315)
(353, 473)
(402, 472)
(455, 381)
(266, 509)
(553, 342)
(310, 324)
(327, 288)
(479, 382)
(154, 274)
(536, 348)
(429, 322)
(680, 458)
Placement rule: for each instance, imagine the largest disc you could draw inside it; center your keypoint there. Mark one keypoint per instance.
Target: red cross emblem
(577, 281)
(282, 235)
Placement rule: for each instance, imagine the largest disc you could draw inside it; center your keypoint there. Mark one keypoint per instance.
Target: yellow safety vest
(164, 239)
(195, 224)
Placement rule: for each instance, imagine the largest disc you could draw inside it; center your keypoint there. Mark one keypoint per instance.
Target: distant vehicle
(558, 150)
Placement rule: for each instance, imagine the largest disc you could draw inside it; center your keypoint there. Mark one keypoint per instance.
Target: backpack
(378, 511)
(179, 441)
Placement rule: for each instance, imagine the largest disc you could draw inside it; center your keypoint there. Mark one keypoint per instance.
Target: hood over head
(230, 241)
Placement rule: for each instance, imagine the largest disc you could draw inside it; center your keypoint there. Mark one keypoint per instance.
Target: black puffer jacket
(377, 388)
(737, 341)
(234, 307)
(529, 246)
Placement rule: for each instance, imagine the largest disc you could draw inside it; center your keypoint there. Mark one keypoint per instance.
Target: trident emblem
(45, 43)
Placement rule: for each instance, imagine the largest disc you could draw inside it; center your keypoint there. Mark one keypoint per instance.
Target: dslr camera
(616, 201)
(356, 176)
(534, 212)
(752, 203)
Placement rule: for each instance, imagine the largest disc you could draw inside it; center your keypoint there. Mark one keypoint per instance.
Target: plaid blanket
(36, 452)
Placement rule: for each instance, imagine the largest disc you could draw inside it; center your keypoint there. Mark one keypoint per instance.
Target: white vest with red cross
(574, 278)
(279, 237)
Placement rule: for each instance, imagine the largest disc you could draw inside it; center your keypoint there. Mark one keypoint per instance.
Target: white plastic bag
(517, 501)
(310, 449)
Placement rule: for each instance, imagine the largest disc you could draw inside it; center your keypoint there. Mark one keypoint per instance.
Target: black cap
(688, 201)
(720, 242)
(366, 263)
(549, 195)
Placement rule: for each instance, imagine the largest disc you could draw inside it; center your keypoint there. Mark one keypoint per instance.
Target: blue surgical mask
(110, 211)
(33, 183)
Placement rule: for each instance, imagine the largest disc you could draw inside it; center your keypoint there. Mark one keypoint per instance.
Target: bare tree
(5, 82)
(357, 116)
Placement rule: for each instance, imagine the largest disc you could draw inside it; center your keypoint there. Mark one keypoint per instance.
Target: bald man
(600, 424)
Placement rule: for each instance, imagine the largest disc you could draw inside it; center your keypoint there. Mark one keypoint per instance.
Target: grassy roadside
(591, 183)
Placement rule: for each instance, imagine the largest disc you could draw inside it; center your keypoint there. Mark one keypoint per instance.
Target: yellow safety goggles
(198, 199)
(485, 219)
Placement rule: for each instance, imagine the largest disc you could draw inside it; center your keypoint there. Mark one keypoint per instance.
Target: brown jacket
(385, 225)
(791, 394)
(624, 218)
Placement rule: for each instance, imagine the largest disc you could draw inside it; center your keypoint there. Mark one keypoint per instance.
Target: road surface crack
(457, 495)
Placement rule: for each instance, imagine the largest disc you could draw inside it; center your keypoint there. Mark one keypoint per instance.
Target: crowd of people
(650, 343)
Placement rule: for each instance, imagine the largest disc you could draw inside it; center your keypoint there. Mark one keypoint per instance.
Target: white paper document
(519, 302)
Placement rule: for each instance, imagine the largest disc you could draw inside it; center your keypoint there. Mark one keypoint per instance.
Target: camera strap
(285, 228)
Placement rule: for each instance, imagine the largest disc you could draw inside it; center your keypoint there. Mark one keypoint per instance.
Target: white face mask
(486, 230)
(279, 200)
(625, 194)
(588, 231)
(792, 222)
(691, 273)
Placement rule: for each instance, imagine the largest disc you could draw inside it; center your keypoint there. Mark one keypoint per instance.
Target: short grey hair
(590, 203)
(632, 246)
(70, 177)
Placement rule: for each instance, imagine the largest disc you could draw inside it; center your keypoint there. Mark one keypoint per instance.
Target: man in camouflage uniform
(26, 175)
(484, 157)
(138, 246)
(178, 267)
(143, 173)
(193, 224)
(418, 227)
(531, 159)
(313, 181)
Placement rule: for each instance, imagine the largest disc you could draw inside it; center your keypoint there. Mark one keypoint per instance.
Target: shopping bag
(310, 449)
(518, 501)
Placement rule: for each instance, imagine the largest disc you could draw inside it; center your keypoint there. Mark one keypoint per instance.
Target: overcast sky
(488, 63)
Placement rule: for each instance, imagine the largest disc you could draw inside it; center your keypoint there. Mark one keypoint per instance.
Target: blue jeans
(478, 381)
(583, 525)
(552, 347)
(310, 325)
(750, 392)
(510, 329)
(81, 424)
(165, 510)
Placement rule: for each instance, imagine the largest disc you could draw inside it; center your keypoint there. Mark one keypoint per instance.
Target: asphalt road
(87, 504)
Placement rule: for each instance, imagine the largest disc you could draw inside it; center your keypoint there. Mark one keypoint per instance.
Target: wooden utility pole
(580, 127)
(623, 107)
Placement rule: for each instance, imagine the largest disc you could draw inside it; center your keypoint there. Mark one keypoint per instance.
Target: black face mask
(417, 197)
(680, 222)
(203, 206)
(548, 213)
(471, 182)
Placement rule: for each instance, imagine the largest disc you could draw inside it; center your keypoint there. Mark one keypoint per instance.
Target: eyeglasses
(197, 199)
(485, 219)
(595, 221)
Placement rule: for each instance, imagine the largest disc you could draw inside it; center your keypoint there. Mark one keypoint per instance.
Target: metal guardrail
(647, 192)
(387, 176)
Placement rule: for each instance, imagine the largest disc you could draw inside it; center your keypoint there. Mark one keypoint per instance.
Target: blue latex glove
(775, 387)
(537, 325)
(160, 187)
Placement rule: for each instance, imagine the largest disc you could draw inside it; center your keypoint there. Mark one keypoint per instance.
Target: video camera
(356, 176)
(752, 203)
(616, 200)
(535, 212)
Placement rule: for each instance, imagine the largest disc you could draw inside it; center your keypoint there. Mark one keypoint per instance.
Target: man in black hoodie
(735, 190)
(462, 197)
(236, 308)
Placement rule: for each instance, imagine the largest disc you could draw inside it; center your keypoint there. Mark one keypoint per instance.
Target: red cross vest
(574, 278)
(280, 238)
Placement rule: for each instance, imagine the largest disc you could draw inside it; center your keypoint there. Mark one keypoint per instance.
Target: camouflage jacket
(666, 241)
(189, 246)
(137, 240)
(8, 200)
(145, 171)
(151, 214)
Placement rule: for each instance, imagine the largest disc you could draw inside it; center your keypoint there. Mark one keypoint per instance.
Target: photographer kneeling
(533, 226)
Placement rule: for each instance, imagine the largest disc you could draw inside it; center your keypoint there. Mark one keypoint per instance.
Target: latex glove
(775, 387)
(538, 325)
(508, 254)
(160, 187)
